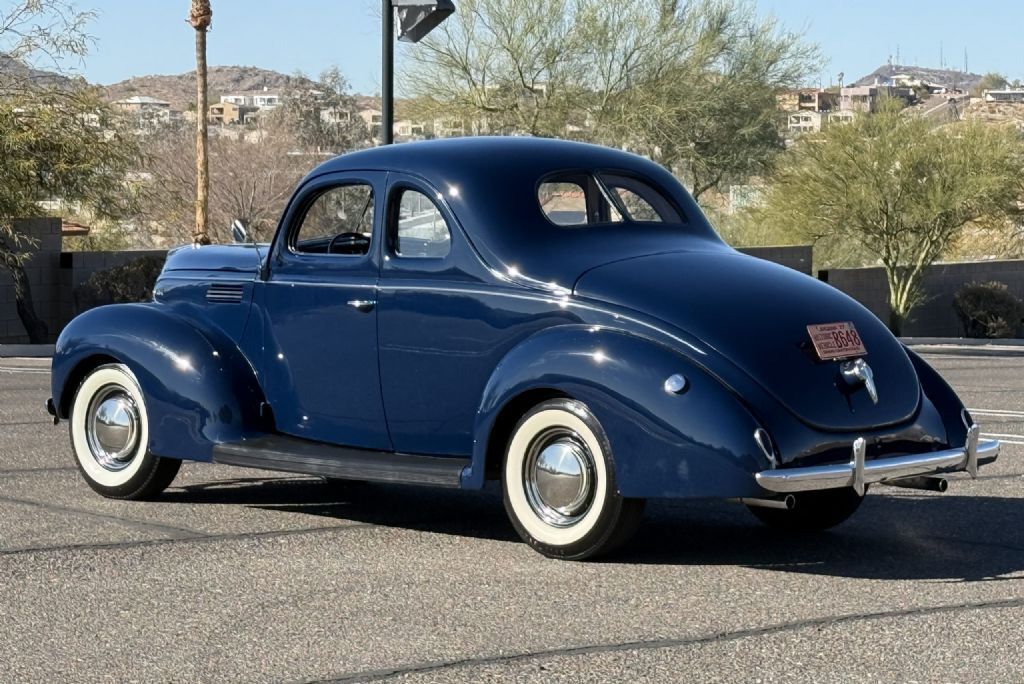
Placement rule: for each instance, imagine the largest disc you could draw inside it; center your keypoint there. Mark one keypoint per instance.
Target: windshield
(577, 198)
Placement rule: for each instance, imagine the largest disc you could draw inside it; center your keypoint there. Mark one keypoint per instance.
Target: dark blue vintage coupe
(557, 316)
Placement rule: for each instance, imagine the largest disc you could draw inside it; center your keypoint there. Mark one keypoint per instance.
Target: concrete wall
(935, 316)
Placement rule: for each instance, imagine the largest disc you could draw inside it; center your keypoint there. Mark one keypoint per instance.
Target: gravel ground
(242, 575)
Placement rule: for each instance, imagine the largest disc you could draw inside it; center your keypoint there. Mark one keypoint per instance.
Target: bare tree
(323, 115)
(254, 192)
(200, 18)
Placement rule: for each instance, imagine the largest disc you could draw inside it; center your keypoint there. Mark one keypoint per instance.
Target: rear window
(579, 199)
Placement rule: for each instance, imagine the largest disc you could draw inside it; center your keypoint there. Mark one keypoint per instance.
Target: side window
(418, 228)
(339, 221)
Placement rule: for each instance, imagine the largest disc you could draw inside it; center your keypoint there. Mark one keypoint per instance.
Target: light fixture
(417, 18)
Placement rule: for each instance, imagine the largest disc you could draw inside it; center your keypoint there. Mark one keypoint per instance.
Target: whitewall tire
(109, 429)
(559, 483)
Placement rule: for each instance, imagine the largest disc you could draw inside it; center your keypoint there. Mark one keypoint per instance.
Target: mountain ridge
(951, 78)
(180, 89)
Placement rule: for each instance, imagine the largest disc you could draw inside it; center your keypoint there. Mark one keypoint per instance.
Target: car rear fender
(199, 388)
(942, 397)
(695, 443)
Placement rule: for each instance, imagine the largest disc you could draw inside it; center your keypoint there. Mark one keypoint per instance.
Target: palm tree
(200, 17)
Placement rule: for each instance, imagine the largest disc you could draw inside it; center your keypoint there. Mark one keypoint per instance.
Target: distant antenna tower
(965, 61)
(898, 54)
(942, 58)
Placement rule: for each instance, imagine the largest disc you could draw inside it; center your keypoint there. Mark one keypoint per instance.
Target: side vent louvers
(225, 293)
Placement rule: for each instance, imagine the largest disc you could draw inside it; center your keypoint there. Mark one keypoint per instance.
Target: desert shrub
(988, 310)
(131, 282)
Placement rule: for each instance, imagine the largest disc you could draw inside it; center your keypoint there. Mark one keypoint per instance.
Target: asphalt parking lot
(241, 575)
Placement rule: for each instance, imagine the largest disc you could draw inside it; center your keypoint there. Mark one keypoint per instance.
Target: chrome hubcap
(112, 428)
(559, 477)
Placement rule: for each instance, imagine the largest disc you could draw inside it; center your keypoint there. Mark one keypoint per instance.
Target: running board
(293, 455)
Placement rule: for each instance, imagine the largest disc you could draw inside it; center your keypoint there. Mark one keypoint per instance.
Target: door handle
(363, 304)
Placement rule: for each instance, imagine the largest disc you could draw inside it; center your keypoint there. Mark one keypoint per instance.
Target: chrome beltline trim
(858, 473)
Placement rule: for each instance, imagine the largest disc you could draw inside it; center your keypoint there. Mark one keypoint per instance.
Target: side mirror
(238, 232)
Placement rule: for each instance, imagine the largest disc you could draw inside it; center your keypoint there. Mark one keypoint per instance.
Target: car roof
(490, 184)
(460, 154)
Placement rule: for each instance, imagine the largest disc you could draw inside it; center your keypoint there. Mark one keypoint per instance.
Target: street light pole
(416, 18)
(387, 74)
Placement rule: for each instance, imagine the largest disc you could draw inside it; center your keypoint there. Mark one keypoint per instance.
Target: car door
(443, 325)
(320, 296)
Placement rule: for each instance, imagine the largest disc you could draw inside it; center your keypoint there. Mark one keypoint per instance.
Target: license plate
(836, 340)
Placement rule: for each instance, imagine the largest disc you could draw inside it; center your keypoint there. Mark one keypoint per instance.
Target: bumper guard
(859, 473)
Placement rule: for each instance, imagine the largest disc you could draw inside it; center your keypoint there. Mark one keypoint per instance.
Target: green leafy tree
(990, 81)
(60, 141)
(691, 85)
(895, 187)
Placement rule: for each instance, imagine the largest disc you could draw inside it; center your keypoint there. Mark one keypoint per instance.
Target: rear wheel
(813, 512)
(110, 434)
(559, 484)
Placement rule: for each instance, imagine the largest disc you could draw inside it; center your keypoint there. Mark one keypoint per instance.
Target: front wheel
(110, 434)
(559, 484)
(814, 511)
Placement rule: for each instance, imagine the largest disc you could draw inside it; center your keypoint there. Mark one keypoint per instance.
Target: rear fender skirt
(695, 443)
(199, 388)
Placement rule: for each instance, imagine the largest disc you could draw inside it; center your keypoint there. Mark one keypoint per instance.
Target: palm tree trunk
(200, 18)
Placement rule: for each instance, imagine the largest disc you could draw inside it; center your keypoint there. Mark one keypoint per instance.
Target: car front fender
(694, 443)
(199, 388)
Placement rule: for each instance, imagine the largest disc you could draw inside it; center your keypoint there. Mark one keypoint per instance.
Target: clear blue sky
(138, 37)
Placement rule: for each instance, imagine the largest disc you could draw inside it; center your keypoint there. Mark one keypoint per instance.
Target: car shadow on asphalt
(912, 537)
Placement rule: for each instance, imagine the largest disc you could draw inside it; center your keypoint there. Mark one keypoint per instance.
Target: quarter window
(564, 203)
(339, 221)
(578, 199)
(420, 230)
(641, 200)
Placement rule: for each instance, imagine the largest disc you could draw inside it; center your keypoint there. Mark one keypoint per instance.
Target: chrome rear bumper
(858, 473)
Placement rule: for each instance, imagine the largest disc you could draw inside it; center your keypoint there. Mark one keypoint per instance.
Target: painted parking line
(26, 369)
(997, 412)
(1004, 440)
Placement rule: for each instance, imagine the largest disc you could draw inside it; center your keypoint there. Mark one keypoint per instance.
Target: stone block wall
(53, 276)
(42, 270)
(935, 316)
(797, 257)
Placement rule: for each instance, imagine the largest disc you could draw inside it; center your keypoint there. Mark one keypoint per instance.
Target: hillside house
(229, 113)
(259, 99)
(806, 122)
(1013, 96)
(147, 110)
(869, 98)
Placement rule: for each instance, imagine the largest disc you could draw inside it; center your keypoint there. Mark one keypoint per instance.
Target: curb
(26, 351)
(959, 342)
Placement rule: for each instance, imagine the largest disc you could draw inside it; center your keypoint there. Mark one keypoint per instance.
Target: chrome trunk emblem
(858, 372)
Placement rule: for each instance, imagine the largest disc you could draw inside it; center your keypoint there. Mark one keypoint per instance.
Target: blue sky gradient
(138, 37)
